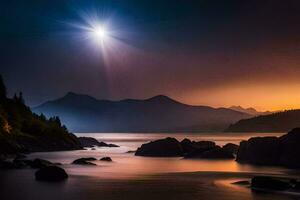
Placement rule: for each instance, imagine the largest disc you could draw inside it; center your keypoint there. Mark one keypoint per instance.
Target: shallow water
(134, 177)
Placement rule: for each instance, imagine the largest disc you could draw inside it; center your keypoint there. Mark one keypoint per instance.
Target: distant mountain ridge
(250, 111)
(83, 113)
(275, 122)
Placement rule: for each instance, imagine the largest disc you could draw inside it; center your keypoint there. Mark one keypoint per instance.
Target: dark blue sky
(199, 52)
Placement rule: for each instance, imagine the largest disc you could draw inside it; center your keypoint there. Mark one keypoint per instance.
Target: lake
(134, 177)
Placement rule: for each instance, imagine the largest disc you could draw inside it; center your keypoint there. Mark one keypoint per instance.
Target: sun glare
(99, 33)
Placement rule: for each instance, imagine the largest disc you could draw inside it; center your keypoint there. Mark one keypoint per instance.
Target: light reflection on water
(133, 177)
(127, 165)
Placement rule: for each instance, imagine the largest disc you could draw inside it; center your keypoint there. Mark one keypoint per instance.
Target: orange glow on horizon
(273, 97)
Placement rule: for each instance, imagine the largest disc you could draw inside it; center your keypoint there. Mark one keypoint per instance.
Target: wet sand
(20, 184)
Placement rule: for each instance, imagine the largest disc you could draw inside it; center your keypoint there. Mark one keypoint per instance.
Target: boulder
(259, 150)
(217, 153)
(282, 151)
(204, 144)
(187, 145)
(290, 149)
(269, 183)
(84, 161)
(107, 159)
(168, 147)
(200, 148)
(51, 174)
(231, 148)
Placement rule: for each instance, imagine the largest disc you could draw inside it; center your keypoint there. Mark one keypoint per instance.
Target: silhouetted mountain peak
(251, 111)
(162, 99)
(84, 113)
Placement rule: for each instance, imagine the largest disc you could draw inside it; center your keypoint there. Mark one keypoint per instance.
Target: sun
(99, 33)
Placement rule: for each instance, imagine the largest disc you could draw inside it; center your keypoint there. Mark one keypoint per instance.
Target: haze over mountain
(276, 122)
(83, 113)
(251, 111)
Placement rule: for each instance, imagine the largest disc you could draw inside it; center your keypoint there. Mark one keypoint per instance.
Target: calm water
(127, 165)
(133, 177)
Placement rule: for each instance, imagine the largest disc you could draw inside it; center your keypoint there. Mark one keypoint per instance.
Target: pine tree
(21, 99)
(2, 89)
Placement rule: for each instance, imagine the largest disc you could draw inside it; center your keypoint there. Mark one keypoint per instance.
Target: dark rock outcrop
(91, 142)
(84, 161)
(269, 183)
(168, 147)
(217, 153)
(283, 151)
(231, 148)
(107, 159)
(290, 149)
(187, 145)
(199, 148)
(51, 174)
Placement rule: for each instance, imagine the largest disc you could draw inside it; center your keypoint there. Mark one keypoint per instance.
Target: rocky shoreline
(171, 147)
(277, 151)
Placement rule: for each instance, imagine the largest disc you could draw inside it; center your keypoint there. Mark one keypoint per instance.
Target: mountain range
(83, 113)
(250, 111)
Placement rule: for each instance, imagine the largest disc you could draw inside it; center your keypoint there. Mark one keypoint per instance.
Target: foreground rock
(91, 142)
(168, 147)
(107, 159)
(283, 151)
(269, 183)
(84, 161)
(51, 174)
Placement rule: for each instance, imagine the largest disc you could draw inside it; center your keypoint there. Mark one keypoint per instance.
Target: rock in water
(88, 141)
(231, 148)
(283, 151)
(187, 145)
(269, 183)
(168, 147)
(217, 153)
(51, 174)
(290, 149)
(259, 150)
(84, 161)
(108, 159)
(91, 142)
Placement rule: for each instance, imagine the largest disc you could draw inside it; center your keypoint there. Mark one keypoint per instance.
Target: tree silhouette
(2, 88)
